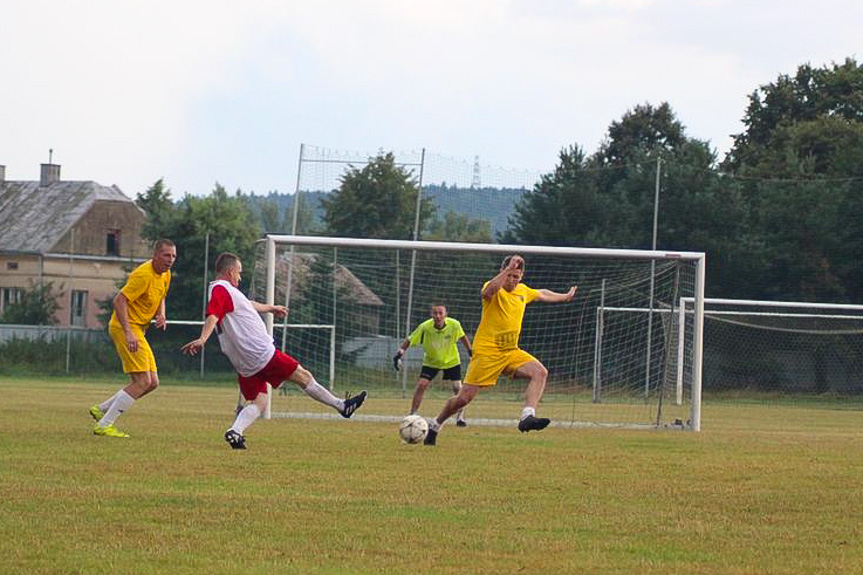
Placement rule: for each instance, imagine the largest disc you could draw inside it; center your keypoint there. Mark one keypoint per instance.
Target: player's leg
(141, 367)
(452, 406)
(284, 367)
(427, 374)
(483, 371)
(456, 402)
(537, 374)
(123, 401)
(254, 390)
(459, 415)
(452, 375)
(419, 391)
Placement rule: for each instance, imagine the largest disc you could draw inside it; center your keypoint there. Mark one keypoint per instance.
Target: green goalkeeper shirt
(439, 345)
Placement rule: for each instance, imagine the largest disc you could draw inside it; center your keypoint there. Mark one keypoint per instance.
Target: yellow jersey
(145, 290)
(500, 323)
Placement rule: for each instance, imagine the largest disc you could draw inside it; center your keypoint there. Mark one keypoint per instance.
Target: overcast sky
(195, 92)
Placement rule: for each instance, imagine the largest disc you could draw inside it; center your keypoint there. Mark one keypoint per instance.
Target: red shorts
(279, 368)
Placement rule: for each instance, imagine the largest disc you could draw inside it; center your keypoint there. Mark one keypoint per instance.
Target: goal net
(761, 349)
(356, 300)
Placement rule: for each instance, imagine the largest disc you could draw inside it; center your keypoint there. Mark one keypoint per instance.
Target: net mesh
(373, 300)
(755, 349)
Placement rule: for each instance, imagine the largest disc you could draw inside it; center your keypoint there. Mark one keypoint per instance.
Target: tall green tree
(157, 204)
(607, 200)
(645, 127)
(376, 201)
(231, 226)
(798, 166)
(778, 112)
(564, 208)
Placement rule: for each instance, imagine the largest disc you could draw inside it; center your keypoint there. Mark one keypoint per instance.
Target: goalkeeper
(438, 337)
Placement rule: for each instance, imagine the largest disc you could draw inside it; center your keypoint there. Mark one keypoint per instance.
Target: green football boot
(109, 431)
(96, 413)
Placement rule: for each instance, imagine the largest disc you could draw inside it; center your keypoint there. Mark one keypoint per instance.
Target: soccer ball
(413, 429)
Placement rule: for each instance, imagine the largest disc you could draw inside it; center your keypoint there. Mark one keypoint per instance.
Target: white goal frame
(698, 258)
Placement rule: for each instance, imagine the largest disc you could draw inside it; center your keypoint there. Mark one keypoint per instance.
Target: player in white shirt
(243, 337)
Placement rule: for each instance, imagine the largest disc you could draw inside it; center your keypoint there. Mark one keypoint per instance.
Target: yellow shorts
(141, 360)
(485, 368)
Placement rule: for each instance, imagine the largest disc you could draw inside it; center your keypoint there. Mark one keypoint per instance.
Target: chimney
(2, 173)
(50, 174)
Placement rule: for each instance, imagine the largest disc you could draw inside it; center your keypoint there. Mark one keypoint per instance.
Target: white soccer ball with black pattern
(413, 429)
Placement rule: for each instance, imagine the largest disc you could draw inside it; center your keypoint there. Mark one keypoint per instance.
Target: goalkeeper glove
(397, 359)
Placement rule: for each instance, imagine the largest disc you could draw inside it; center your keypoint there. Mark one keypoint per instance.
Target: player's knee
(301, 376)
(153, 383)
(423, 384)
(541, 372)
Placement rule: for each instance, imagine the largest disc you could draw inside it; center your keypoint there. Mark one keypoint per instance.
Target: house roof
(34, 218)
(356, 290)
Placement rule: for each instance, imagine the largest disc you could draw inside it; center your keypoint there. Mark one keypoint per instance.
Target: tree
(456, 227)
(157, 204)
(778, 109)
(375, 201)
(645, 127)
(564, 208)
(231, 226)
(798, 167)
(37, 306)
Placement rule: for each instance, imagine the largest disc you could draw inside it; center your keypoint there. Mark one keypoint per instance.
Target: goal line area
(372, 293)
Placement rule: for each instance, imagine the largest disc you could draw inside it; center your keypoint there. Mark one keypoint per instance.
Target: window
(10, 296)
(79, 308)
(112, 243)
(11, 265)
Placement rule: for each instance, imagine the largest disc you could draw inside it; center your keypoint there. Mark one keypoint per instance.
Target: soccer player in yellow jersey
(139, 301)
(495, 346)
(439, 337)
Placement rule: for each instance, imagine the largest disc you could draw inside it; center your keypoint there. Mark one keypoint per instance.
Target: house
(362, 306)
(80, 235)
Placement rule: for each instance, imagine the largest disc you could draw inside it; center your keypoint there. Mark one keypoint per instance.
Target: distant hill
(494, 205)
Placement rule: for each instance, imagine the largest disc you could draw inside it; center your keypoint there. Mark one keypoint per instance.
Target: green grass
(763, 489)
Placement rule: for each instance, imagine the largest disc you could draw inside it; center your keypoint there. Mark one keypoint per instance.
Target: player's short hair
(226, 261)
(507, 259)
(162, 243)
(436, 304)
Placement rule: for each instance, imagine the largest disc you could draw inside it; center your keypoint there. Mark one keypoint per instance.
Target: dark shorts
(449, 374)
(280, 367)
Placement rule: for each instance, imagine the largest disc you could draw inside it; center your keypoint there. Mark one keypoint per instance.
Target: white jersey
(242, 333)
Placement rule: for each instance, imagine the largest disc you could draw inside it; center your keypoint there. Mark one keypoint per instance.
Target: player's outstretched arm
(279, 311)
(195, 345)
(555, 297)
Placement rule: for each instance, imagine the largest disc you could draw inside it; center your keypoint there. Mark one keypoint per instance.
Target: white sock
(245, 418)
(320, 393)
(106, 405)
(527, 412)
(122, 402)
(434, 425)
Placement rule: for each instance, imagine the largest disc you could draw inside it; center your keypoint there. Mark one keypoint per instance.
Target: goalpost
(374, 292)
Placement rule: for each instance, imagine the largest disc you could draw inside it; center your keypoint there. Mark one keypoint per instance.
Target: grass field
(774, 489)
